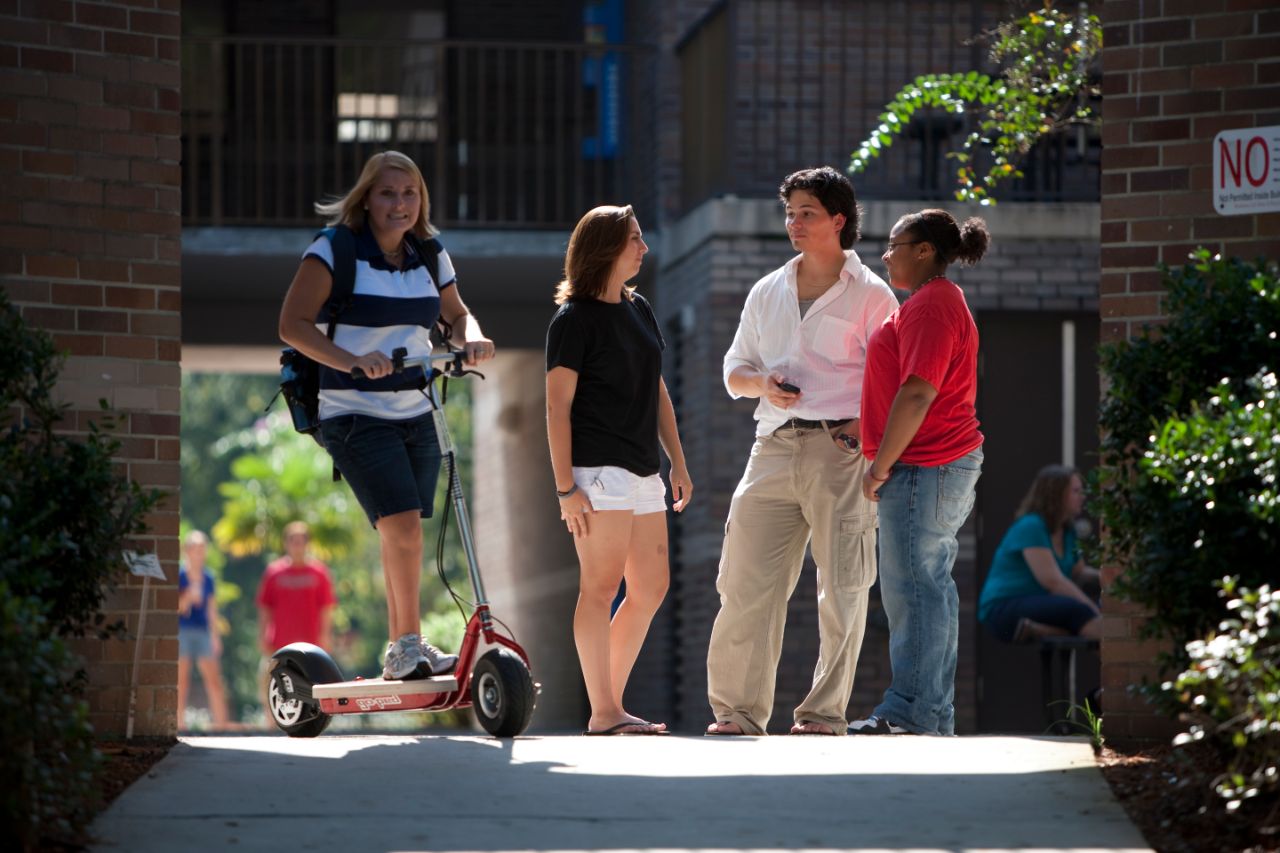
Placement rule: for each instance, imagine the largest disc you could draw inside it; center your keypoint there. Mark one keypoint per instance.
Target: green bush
(65, 515)
(1231, 693)
(1224, 454)
(47, 754)
(65, 511)
(1173, 537)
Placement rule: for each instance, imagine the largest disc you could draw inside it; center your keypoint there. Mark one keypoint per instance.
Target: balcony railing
(507, 134)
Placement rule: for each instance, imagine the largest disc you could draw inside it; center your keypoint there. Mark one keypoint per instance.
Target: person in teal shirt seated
(1034, 587)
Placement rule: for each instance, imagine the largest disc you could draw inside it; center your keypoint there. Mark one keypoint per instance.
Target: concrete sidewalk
(384, 793)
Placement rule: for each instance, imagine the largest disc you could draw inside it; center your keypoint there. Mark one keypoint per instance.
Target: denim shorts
(392, 466)
(1057, 610)
(194, 642)
(609, 487)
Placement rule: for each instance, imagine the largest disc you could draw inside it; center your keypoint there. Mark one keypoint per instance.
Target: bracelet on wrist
(563, 495)
(872, 474)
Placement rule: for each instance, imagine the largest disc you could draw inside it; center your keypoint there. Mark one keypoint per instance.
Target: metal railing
(507, 134)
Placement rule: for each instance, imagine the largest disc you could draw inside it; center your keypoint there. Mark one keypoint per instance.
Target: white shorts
(609, 487)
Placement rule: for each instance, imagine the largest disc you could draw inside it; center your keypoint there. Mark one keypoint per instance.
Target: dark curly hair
(833, 191)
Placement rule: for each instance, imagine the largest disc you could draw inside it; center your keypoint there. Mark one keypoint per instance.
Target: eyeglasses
(893, 246)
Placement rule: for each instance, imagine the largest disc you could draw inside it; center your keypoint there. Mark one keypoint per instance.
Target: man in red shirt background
(295, 598)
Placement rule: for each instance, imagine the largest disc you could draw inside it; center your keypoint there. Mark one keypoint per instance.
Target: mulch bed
(125, 763)
(1169, 796)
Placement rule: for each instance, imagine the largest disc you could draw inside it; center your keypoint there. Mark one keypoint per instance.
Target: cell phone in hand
(789, 388)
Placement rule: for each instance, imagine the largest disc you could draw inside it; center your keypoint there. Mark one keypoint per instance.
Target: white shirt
(824, 353)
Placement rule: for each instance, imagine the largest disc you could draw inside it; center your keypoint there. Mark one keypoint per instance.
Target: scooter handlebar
(400, 360)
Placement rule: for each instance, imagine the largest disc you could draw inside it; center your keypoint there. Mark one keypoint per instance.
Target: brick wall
(662, 25)
(90, 242)
(1178, 72)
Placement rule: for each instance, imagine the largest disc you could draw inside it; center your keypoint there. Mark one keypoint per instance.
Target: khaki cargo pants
(798, 487)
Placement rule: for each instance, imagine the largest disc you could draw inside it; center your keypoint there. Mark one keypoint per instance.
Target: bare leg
(602, 556)
(211, 675)
(184, 688)
(1092, 629)
(401, 541)
(647, 577)
(391, 597)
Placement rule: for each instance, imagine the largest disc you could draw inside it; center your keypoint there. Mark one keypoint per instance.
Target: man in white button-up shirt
(801, 349)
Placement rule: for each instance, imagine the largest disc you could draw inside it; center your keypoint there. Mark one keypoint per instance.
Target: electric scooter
(306, 688)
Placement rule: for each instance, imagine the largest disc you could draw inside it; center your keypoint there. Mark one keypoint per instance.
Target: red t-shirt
(295, 596)
(932, 336)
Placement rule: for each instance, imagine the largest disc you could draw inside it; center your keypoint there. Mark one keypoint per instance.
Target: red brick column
(90, 228)
(1177, 72)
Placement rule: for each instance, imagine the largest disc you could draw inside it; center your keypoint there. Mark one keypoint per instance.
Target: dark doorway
(1021, 407)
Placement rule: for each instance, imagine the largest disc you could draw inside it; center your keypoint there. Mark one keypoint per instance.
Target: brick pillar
(89, 251)
(1177, 74)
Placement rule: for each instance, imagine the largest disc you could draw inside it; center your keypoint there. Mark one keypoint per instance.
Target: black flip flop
(618, 730)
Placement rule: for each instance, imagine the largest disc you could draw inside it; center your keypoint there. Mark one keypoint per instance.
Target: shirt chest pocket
(834, 339)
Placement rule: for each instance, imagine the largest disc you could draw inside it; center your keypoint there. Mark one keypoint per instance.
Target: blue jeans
(921, 510)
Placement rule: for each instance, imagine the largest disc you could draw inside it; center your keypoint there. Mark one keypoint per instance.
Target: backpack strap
(343, 241)
(429, 250)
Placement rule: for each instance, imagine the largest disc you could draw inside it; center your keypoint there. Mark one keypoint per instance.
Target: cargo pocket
(856, 568)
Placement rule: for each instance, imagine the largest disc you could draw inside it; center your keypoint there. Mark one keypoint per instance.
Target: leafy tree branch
(1046, 59)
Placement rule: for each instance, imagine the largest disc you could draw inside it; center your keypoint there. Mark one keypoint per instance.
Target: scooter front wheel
(502, 693)
(295, 716)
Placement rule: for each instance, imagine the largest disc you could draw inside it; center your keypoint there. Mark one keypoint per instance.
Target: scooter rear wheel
(295, 717)
(502, 693)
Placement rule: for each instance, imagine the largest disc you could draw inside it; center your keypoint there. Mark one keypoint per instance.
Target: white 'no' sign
(1246, 171)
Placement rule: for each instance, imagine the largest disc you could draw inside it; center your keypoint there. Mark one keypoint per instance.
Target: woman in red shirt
(920, 432)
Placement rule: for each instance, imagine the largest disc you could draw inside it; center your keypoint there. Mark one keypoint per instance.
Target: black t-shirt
(616, 350)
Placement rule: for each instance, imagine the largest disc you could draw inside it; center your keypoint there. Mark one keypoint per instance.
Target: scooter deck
(365, 687)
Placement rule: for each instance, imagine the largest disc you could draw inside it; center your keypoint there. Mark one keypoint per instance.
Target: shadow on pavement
(574, 793)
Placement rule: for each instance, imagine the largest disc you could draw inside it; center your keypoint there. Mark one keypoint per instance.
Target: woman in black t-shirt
(607, 411)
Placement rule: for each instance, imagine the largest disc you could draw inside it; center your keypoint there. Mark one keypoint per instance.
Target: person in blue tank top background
(1034, 588)
(198, 639)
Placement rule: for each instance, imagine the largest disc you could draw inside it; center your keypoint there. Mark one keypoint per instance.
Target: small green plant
(1048, 59)
(1090, 724)
(1230, 693)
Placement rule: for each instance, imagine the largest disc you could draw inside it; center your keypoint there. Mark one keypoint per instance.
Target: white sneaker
(874, 725)
(405, 659)
(440, 663)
